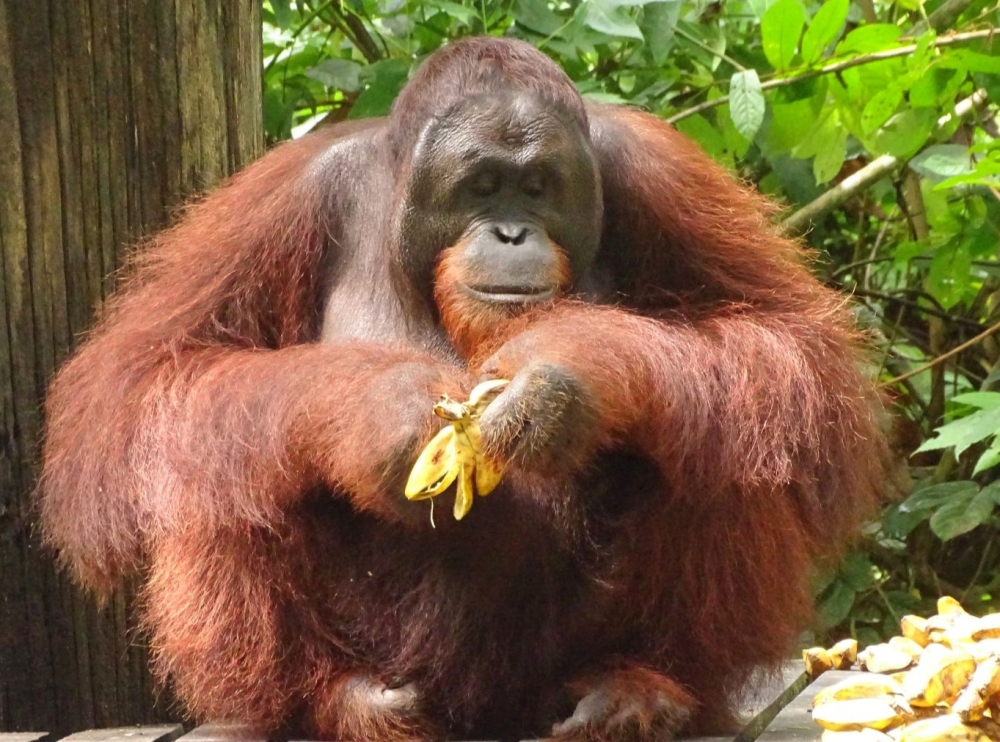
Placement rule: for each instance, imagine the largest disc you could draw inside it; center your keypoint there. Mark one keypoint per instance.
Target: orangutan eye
(534, 185)
(486, 183)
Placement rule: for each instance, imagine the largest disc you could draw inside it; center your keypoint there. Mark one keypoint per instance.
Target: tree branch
(945, 356)
(944, 16)
(959, 38)
(873, 171)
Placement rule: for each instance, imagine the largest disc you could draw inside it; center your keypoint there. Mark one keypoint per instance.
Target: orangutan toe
(631, 704)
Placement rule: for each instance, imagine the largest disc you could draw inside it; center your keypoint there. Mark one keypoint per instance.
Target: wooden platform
(778, 711)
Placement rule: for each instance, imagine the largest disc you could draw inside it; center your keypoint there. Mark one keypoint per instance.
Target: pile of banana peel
(456, 455)
(939, 680)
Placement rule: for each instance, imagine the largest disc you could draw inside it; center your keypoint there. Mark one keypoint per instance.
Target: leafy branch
(902, 51)
(870, 173)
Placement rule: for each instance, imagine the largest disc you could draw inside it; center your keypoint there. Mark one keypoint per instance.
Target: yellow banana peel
(456, 453)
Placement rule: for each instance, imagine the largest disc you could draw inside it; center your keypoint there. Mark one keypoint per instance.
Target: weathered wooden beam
(768, 694)
(222, 732)
(160, 733)
(23, 736)
(794, 723)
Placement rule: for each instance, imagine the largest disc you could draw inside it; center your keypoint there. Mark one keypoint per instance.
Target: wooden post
(112, 112)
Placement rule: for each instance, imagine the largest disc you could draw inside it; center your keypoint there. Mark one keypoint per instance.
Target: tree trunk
(111, 113)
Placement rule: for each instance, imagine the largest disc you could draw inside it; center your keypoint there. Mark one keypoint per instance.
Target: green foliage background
(802, 98)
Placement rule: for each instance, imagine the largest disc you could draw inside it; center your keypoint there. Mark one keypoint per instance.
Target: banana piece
(938, 677)
(865, 735)
(984, 685)
(843, 654)
(488, 472)
(948, 728)
(466, 458)
(484, 393)
(884, 658)
(456, 452)
(817, 661)
(915, 628)
(862, 685)
(951, 691)
(947, 605)
(910, 647)
(857, 714)
(989, 628)
(435, 468)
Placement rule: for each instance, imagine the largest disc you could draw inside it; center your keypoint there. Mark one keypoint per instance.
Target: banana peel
(867, 685)
(948, 728)
(938, 678)
(455, 454)
(857, 714)
(950, 689)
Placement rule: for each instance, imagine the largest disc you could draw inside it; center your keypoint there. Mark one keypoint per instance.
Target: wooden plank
(222, 732)
(794, 722)
(160, 733)
(22, 736)
(768, 694)
(771, 691)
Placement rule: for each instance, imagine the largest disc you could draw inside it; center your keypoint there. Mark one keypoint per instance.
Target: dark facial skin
(508, 178)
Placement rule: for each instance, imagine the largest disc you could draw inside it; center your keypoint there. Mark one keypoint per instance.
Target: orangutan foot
(359, 707)
(633, 704)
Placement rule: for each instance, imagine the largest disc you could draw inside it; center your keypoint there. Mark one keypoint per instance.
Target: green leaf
(467, 16)
(736, 143)
(872, 37)
(989, 458)
(899, 523)
(961, 515)
(857, 571)
(283, 14)
(536, 15)
(823, 132)
(905, 133)
(659, 22)
(698, 128)
(933, 84)
(987, 173)
(836, 603)
(982, 400)
(950, 274)
(965, 432)
(342, 74)
(932, 496)
(780, 30)
(878, 110)
(386, 78)
(943, 161)
(791, 125)
(759, 7)
(992, 491)
(610, 17)
(830, 159)
(966, 59)
(824, 29)
(746, 102)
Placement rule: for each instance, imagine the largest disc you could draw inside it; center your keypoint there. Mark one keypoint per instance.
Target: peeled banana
(868, 685)
(456, 453)
(948, 728)
(949, 691)
(856, 714)
(940, 678)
